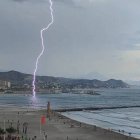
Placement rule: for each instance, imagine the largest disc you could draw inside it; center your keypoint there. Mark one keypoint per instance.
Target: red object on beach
(43, 119)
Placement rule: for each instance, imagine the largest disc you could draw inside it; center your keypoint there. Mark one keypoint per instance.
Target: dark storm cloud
(69, 2)
(93, 38)
(66, 2)
(19, 0)
(59, 1)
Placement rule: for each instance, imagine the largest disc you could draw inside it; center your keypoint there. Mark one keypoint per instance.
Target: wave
(121, 115)
(116, 124)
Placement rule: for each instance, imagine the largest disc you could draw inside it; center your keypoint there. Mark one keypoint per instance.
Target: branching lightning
(43, 48)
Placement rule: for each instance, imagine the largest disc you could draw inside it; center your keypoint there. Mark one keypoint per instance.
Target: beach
(57, 127)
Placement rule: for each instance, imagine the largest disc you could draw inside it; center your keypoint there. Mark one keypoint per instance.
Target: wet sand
(57, 127)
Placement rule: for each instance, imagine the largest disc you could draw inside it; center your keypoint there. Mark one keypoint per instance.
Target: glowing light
(43, 48)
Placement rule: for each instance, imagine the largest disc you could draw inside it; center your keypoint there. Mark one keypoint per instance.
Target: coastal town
(16, 82)
(6, 87)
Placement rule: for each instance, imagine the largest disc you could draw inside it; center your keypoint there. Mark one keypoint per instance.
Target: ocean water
(117, 119)
(107, 97)
(127, 120)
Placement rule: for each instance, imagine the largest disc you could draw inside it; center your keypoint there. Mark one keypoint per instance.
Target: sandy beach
(57, 127)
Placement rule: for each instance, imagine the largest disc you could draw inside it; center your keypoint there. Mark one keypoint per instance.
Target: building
(5, 84)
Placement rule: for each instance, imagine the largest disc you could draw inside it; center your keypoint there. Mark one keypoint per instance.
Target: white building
(5, 84)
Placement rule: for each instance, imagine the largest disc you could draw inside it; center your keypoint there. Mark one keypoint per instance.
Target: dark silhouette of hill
(16, 77)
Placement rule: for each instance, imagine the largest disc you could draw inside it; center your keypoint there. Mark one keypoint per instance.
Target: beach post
(46, 136)
(4, 128)
(40, 127)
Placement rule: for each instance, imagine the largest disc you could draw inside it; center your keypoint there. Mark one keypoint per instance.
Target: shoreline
(58, 127)
(111, 131)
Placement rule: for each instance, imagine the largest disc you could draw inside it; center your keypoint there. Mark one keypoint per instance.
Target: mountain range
(18, 78)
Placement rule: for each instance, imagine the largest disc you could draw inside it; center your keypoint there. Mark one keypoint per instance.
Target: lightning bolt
(43, 48)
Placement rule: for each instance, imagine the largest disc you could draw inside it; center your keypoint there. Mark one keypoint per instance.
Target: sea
(125, 120)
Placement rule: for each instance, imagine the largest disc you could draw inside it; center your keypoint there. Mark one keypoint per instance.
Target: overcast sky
(88, 36)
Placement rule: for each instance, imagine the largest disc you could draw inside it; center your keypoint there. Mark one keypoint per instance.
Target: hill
(17, 78)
